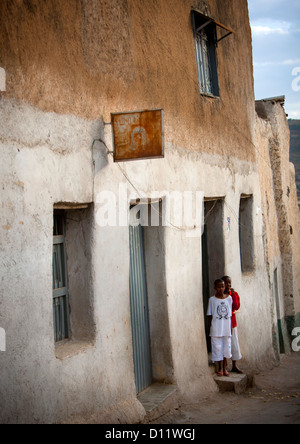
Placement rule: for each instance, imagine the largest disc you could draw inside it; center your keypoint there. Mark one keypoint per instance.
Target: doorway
(213, 253)
(151, 336)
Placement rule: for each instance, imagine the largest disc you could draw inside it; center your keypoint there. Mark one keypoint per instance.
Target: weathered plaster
(54, 137)
(281, 215)
(86, 64)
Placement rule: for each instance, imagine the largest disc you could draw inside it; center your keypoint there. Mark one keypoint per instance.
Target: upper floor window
(206, 40)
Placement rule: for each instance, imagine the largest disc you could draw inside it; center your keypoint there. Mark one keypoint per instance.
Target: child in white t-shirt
(220, 312)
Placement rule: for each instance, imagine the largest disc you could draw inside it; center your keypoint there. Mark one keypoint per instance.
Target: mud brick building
(96, 306)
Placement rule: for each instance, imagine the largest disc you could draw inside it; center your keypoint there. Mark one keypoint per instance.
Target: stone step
(234, 383)
(157, 400)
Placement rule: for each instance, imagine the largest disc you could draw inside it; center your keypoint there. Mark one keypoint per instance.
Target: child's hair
(219, 281)
(225, 277)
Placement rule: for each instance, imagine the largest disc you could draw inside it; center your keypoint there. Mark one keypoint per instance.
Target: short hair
(219, 281)
(225, 277)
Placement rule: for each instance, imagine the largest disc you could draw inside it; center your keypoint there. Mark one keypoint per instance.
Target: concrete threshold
(157, 400)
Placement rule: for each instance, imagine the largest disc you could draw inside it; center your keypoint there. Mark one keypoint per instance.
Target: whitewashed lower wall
(48, 158)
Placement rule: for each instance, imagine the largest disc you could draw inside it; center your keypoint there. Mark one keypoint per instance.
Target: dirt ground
(274, 400)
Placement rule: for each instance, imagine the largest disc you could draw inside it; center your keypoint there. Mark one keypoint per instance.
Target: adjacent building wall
(281, 215)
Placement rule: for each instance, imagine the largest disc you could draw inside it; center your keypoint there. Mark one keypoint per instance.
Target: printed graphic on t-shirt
(222, 311)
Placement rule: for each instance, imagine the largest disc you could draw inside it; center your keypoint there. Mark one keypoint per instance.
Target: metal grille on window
(203, 62)
(60, 282)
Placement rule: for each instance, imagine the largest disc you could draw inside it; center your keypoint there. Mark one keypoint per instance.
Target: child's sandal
(219, 374)
(226, 374)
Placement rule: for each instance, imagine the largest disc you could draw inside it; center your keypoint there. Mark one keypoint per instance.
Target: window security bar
(220, 25)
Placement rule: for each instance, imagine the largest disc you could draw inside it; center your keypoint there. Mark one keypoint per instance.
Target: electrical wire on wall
(141, 195)
(170, 224)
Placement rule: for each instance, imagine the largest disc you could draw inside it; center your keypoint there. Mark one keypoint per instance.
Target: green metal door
(139, 310)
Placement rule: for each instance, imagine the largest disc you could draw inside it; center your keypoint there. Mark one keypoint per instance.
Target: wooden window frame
(60, 294)
(206, 42)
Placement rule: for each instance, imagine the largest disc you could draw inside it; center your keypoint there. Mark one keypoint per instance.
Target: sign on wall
(138, 135)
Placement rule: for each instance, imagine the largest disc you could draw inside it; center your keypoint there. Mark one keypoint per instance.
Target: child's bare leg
(225, 372)
(235, 369)
(219, 366)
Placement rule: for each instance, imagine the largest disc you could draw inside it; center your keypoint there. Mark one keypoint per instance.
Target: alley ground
(275, 400)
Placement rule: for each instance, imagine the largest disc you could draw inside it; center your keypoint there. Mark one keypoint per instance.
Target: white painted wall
(49, 158)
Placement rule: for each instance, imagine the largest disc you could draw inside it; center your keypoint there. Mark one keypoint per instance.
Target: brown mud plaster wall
(89, 58)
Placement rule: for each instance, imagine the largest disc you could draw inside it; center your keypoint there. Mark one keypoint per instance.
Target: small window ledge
(249, 273)
(209, 96)
(70, 347)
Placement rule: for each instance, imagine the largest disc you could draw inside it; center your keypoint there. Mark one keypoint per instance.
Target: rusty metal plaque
(138, 135)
